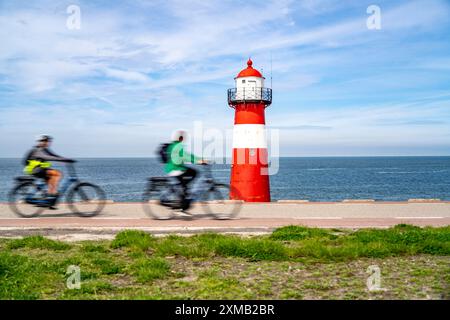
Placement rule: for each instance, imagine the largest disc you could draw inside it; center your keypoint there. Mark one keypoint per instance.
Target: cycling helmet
(44, 137)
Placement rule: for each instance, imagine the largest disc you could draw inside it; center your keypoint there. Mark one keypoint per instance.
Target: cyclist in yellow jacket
(37, 164)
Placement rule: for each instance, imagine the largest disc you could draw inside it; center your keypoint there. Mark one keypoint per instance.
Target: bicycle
(164, 197)
(28, 198)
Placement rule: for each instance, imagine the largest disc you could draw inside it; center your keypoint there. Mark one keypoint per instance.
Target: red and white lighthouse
(249, 168)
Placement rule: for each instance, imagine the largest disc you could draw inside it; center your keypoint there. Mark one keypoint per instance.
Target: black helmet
(44, 138)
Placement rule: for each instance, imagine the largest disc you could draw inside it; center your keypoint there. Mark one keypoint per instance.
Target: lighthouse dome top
(249, 71)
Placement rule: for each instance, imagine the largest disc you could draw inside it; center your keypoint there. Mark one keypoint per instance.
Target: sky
(137, 70)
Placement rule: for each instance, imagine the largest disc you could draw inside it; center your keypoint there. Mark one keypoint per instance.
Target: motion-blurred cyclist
(37, 164)
(175, 158)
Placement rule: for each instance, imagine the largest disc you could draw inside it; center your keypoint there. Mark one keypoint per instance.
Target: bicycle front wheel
(19, 200)
(216, 202)
(86, 199)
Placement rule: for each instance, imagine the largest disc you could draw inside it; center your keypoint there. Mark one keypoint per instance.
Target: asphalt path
(254, 218)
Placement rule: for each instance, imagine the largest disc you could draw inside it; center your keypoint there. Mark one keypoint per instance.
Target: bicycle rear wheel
(158, 203)
(216, 202)
(18, 200)
(86, 199)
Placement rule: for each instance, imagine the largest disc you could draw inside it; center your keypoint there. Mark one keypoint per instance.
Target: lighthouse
(249, 165)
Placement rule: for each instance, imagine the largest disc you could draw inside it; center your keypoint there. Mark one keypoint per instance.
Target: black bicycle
(164, 198)
(28, 198)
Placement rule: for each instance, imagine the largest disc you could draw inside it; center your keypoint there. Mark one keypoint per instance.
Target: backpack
(163, 152)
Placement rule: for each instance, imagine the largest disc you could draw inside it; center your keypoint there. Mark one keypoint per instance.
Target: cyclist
(37, 164)
(176, 159)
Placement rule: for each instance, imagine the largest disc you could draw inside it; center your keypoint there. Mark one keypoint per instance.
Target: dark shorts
(41, 173)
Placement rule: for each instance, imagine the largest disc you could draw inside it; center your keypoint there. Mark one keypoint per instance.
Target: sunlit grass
(293, 262)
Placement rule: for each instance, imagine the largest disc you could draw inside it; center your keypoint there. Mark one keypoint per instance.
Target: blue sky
(137, 70)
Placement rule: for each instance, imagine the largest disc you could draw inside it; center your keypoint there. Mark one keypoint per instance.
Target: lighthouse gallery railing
(249, 94)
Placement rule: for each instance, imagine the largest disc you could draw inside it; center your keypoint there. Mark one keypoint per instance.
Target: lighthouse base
(249, 178)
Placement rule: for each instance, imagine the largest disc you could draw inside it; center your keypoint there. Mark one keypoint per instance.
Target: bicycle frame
(201, 185)
(41, 185)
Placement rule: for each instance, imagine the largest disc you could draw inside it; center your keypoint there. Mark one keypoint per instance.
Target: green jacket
(177, 157)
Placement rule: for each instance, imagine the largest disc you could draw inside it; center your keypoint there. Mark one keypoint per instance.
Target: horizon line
(323, 156)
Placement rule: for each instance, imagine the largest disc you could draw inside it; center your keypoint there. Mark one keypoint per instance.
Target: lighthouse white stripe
(249, 136)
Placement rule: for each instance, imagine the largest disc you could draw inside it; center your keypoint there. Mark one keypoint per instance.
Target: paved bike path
(253, 218)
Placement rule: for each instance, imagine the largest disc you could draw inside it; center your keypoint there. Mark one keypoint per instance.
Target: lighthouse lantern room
(249, 168)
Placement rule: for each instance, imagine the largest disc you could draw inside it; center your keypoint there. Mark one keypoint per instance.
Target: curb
(358, 200)
(424, 200)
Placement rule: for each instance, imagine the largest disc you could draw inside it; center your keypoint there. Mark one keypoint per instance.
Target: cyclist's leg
(190, 174)
(178, 175)
(187, 177)
(182, 183)
(53, 178)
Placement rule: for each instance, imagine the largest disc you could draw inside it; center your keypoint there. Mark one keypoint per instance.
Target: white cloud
(126, 75)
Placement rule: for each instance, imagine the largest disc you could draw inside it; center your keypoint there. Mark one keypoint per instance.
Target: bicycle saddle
(158, 179)
(25, 178)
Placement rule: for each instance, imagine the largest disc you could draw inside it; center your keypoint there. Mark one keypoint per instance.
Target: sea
(309, 178)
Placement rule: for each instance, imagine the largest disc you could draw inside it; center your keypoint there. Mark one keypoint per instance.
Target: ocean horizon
(156, 157)
(324, 178)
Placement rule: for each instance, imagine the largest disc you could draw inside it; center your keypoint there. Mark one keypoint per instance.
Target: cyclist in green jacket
(177, 157)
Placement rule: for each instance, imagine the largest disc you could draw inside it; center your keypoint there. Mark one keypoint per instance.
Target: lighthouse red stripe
(250, 113)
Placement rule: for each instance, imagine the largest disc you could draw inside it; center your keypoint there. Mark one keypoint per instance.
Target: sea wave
(324, 169)
(410, 172)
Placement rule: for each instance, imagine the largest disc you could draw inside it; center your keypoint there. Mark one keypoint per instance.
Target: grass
(133, 239)
(253, 249)
(292, 263)
(149, 269)
(300, 233)
(22, 277)
(37, 242)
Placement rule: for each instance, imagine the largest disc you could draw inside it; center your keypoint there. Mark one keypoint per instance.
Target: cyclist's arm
(191, 157)
(47, 155)
(178, 155)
